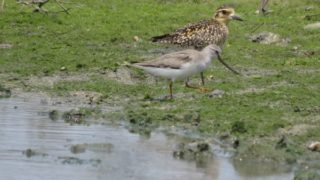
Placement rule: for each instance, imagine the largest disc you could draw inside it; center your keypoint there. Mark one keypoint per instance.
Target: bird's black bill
(236, 17)
(226, 65)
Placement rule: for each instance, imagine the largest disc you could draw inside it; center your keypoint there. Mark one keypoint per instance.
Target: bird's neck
(208, 53)
(222, 21)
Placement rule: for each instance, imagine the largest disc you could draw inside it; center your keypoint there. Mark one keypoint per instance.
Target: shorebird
(37, 3)
(203, 33)
(182, 64)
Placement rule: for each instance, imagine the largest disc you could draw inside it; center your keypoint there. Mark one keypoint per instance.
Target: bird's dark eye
(224, 12)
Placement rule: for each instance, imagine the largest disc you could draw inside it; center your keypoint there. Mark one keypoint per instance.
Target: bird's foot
(168, 98)
(204, 89)
(40, 10)
(191, 86)
(201, 88)
(162, 98)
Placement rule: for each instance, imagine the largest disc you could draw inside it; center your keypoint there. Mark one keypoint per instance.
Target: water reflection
(35, 147)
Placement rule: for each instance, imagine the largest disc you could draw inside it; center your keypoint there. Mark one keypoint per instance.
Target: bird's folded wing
(194, 27)
(173, 60)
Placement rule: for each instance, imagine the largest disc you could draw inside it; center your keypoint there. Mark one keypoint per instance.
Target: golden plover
(203, 33)
(181, 64)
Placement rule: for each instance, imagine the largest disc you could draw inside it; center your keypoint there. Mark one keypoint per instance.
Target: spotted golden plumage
(203, 33)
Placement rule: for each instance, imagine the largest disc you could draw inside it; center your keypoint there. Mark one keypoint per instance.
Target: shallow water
(32, 146)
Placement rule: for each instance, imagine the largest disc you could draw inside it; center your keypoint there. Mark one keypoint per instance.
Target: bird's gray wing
(172, 60)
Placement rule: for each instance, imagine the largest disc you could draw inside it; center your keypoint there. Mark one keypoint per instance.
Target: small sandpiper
(182, 64)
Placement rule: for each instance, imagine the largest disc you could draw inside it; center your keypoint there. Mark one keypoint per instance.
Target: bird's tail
(129, 65)
(162, 38)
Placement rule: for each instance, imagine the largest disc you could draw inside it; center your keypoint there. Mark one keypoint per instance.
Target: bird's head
(215, 52)
(226, 13)
(214, 49)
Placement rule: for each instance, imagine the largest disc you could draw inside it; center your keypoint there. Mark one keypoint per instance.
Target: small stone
(29, 152)
(296, 109)
(282, 143)
(216, 93)
(203, 147)
(236, 143)
(6, 46)
(136, 38)
(192, 117)
(308, 8)
(313, 26)
(178, 154)
(78, 148)
(74, 117)
(269, 38)
(192, 151)
(198, 147)
(54, 115)
(295, 48)
(314, 146)
(63, 68)
(265, 38)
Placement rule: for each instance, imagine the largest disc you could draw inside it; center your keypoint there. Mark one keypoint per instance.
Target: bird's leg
(64, 9)
(201, 74)
(202, 78)
(201, 88)
(156, 80)
(263, 6)
(39, 7)
(202, 81)
(170, 89)
(188, 85)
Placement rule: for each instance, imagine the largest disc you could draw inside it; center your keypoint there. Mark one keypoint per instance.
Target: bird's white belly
(174, 74)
